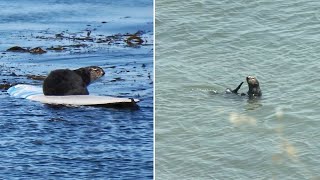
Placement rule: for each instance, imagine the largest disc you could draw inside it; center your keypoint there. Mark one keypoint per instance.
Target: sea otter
(63, 82)
(254, 88)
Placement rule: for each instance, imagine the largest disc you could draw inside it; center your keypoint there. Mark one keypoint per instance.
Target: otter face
(251, 80)
(95, 72)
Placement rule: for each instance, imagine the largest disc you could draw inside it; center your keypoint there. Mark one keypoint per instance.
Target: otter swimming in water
(63, 82)
(254, 87)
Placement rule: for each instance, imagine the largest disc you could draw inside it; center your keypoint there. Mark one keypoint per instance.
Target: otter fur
(62, 82)
(254, 87)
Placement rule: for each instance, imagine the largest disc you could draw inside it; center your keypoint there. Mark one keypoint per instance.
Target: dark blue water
(39, 141)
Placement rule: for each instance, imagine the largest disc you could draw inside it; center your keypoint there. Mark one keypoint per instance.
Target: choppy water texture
(45, 142)
(207, 46)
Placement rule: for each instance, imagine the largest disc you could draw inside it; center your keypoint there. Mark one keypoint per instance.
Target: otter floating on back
(64, 82)
(254, 88)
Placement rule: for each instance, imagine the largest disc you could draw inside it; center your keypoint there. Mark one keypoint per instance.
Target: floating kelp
(17, 49)
(37, 50)
(5, 86)
(36, 77)
(76, 45)
(70, 41)
(60, 35)
(116, 39)
(57, 48)
(117, 79)
(83, 38)
(134, 40)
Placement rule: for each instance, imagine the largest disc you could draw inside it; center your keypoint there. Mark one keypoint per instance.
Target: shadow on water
(126, 106)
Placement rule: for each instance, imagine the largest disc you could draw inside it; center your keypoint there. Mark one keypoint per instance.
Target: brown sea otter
(63, 82)
(254, 88)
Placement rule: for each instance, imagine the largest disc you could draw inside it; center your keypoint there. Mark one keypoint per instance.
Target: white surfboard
(35, 93)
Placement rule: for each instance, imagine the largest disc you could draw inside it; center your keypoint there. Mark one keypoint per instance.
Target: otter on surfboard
(69, 87)
(62, 82)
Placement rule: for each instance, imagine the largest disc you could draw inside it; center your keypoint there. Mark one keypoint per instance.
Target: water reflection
(253, 104)
(287, 148)
(240, 119)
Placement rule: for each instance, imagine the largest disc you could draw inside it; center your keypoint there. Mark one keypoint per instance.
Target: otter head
(90, 74)
(254, 88)
(95, 72)
(252, 81)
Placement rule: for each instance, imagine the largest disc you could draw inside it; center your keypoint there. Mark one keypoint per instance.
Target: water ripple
(215, 45)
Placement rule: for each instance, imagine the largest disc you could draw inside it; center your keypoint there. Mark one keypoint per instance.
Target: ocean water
(204, 47)
(61, 142)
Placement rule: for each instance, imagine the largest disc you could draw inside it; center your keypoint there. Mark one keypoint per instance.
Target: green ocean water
(204, 47)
